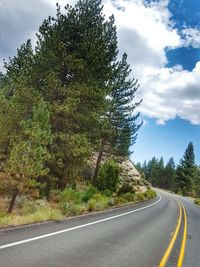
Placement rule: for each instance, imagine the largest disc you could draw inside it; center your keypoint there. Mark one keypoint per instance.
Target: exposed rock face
(131, 176)
(128, 173)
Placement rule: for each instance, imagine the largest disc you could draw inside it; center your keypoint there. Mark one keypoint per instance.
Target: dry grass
(67, 203)
(40, 215)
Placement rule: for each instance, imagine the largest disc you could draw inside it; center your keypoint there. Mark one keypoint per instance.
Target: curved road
(139, 236)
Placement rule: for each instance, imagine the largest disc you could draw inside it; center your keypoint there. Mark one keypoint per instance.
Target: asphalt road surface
(161, 232)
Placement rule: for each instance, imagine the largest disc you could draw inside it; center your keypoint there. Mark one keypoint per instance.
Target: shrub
(41, 213)
(197, 201)
(125, 188)
(150, 194)
(91, 205)
(108, 176)
(111, 201)
(120, 200)
(130, 197)
(107, 193)
(89, 193)
(70, 195)
(3, 214)
(53, 195)
(101, 201)
(27, 206)
(88, 172)
(72, 209)
(140, 197)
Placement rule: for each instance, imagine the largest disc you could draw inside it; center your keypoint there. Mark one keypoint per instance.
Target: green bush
(130, 197)
(107, 193)
(197, 201)
(72, 209)
(70, 195)
(98, 202)
(108, 176)
(125, 188)
(88, 172)
(120, 200)
(150, 194)
(140, 197)
(89, 193)
(91, 205)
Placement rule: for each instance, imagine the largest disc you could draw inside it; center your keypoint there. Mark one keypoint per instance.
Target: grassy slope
(67, 203)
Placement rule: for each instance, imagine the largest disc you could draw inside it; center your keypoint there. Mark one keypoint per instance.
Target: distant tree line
(183, 178)
(69, 96)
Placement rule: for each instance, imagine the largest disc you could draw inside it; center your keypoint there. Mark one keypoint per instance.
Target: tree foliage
(187, 171)
(183, 178)
(64, 99)
(108, 177)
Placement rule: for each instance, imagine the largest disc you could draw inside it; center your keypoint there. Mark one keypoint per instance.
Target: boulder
(128, 172)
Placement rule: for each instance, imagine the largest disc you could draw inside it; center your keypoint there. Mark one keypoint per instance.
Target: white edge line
(77, 227)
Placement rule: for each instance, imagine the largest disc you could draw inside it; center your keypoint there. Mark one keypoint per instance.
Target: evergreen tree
(21, 64)
(122, 108)
(187, 172)
(28, 155)
(155, 172)
(169, 176)
(197, 183)
(122, 127)
(90, 98)
(76, 52)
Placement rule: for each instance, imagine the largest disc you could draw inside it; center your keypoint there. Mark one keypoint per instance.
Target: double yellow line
(174, 237)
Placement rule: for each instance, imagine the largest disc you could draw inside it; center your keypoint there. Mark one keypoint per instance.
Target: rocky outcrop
(128, 173)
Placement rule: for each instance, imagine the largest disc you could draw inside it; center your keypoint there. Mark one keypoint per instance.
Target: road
(137, 236)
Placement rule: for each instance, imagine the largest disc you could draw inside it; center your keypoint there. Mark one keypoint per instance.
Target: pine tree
(80, 48)
(20, 64)
(170, 171)
(28, 155)
(122, 127)
(122, 108)
(186, 172)
(90, 98)
(74, 59)
(155, 172)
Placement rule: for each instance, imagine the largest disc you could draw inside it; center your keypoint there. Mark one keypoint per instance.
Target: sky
(162, 40)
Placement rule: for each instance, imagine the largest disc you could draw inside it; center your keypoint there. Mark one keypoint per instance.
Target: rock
(128, 173)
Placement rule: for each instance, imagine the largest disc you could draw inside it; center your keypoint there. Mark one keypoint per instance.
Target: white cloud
(145, 32)
(171, 92)
(191, 37)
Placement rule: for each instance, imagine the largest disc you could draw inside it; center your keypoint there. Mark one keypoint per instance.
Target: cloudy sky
(162, 40)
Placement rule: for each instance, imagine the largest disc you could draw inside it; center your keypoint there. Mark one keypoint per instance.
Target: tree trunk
(98, 163)
(12, 202)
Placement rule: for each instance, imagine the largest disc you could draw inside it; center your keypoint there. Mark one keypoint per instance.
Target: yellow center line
(182, 251)
(171, 244)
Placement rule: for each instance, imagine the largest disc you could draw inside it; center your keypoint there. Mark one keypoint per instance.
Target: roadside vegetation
(61, 101)
(197, 201)
(69, 202)
(183, 179)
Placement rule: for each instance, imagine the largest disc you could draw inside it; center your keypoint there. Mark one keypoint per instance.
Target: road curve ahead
(157, 233)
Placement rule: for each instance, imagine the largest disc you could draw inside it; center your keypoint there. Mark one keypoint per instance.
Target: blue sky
(162, 41)
(172, 138)
(169, 140)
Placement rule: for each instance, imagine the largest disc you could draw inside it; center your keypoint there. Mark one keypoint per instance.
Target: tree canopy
(65, 98)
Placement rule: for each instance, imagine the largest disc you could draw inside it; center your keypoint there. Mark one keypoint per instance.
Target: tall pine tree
(187, 172)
